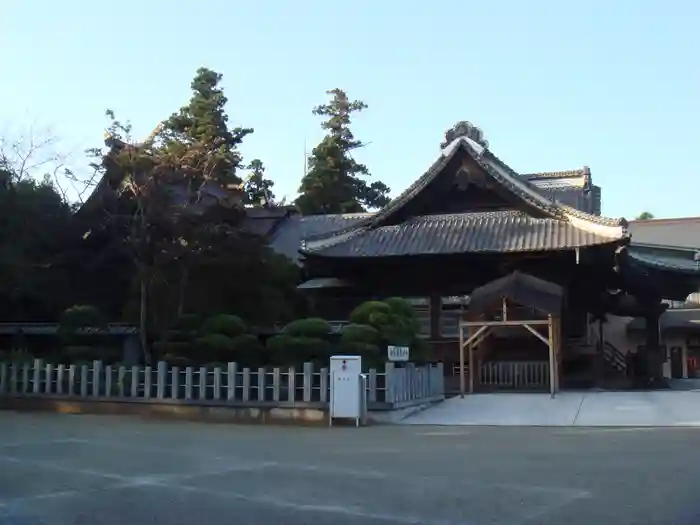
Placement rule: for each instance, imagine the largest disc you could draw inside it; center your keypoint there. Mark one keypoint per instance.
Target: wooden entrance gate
(515, 289)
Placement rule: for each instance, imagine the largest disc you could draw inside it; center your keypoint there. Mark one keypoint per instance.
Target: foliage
(257, 189)
(214, 348)
(362, 340)
(226, 324)
(301, 341)
(34, 221)
(179, 211)
(284, 349)
(82, 316)
(645, 216)
(310, 327)
(334, 182)
(394, 319)
(360, 333)
(246, 348)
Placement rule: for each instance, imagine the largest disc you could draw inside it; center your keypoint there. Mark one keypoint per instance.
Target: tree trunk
(143, 314)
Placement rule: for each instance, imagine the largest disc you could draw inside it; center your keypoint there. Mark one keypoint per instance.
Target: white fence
(228, 384)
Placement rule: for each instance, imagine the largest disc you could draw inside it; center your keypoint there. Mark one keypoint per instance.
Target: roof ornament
(464, 128)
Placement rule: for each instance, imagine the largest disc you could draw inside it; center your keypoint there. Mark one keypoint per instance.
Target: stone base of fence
(314, 414)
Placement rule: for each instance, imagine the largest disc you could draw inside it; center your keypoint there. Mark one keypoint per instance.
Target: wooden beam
(550, 344)
(462, 386)
(505, 323)
(472, 369)
(473, 336)
(538, 335)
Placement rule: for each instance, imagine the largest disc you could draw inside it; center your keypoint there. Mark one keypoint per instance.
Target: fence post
(48, 380)
(161, 376)
(14, 371)
(203, 383)
(231, 381)
(60, 374)
(83, 380)
(3, 377)
(323, 385)
(291, 384)
(189, 383)
(25, 377)
(246, 384)
(261, 383)
(389, 386)
(217, 383)
(372, 385)
(276, 384)
(175, 382)
(121, 380)
(135, 381)
(147, 382)
(36, 381)
(308, 380)
(72, 369)
(96, 373)
(108, 381)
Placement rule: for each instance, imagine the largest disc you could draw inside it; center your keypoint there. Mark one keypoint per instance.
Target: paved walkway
(591, 409)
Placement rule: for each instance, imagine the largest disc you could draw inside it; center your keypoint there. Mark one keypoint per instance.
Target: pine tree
(335, 180)
(257, 190)
(204, 121)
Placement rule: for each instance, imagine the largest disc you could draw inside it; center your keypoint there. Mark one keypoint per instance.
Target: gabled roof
(548, 216)
(521, 288)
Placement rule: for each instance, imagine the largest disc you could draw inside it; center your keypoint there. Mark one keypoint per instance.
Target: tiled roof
(502, 174)
(566, 174)
(501, 231)
(288, 237)
(682, 261)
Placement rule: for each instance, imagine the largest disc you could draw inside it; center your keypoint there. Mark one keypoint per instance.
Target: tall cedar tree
(257, 190)
(205, 233)
(334, 182)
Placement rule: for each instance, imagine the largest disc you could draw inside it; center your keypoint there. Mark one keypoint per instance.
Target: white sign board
(346, 400)
(398, 353)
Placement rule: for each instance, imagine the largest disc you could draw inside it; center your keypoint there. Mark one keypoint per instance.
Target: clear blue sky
(554, 85)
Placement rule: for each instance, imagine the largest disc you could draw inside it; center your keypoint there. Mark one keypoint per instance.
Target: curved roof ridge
(601, 225)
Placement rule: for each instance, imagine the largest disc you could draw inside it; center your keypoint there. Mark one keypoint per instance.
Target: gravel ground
(62, 469)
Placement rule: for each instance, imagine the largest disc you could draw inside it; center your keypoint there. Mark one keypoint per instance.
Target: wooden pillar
(552, 365)
(473, 368)
(462, 385)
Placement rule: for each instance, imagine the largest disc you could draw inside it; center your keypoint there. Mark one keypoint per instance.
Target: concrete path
(586, 409)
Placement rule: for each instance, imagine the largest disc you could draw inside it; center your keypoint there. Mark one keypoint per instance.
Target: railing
(511, 375)
(228, 384)
(515, 374)
(614, 357)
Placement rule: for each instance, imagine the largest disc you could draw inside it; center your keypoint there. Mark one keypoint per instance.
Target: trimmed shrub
(225, 324)
(310, 327)
(214, 348)
(284, 349)
(248, 350)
